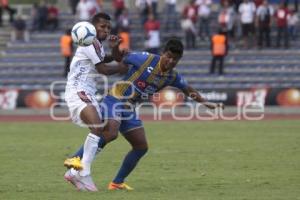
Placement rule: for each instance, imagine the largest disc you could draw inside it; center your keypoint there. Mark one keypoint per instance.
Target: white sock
(89, 151)
(74, 171)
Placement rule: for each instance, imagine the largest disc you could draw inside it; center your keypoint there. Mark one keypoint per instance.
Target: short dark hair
(175, 46)
(222, 31)
(99, 16)
(68, 31)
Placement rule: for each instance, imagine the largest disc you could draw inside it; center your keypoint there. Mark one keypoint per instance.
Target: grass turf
(186, 160)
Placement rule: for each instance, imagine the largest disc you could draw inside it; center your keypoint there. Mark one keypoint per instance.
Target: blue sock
(79, 153)
(129, 164)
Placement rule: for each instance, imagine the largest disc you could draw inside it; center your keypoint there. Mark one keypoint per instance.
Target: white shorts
(76, 105)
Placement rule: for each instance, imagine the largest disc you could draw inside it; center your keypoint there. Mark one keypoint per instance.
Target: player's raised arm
(116, 53)
(194, 94)
(134, 59)
(119, 68)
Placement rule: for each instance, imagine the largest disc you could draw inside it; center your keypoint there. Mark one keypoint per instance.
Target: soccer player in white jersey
(80, 94)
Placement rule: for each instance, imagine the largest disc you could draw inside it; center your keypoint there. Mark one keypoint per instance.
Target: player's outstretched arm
(119, 68)
(194, 94)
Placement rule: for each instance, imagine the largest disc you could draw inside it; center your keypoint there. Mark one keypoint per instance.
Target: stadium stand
(38, 63)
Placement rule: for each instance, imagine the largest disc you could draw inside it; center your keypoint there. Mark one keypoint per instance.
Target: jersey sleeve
(179, 82)
(136, 58)
(95, 53)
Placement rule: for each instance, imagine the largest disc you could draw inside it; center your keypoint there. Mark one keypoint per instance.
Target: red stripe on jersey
(97, 45)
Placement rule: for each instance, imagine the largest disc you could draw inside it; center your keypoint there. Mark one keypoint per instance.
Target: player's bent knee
(144, 151)
(113, 136)
(97, 130)
(143, 146)
(141, 152)
(111, 130)
(110, 136)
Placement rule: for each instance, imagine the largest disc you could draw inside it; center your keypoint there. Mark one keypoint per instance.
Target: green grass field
(186, 160)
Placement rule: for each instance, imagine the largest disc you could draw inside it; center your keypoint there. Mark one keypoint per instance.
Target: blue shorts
(113, 108)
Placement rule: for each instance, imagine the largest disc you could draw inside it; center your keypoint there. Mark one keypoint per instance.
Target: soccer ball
(83, 33)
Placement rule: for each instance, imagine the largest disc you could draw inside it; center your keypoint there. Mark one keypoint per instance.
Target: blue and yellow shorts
(113, 108)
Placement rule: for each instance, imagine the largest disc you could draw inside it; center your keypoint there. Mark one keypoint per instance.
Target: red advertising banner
(8, 99)
(41, 99)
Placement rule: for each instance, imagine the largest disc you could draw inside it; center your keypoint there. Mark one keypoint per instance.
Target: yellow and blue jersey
(145, 77)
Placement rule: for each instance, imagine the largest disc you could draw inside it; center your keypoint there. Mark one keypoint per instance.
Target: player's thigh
(133, 130)
(90, 116)
(83, 113)
(110, 111)
(137, 138)
(111, 129)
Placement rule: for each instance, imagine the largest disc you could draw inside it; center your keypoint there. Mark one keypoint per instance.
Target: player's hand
(221, 105)
(114, 41)
(123, 52)
(211, 105)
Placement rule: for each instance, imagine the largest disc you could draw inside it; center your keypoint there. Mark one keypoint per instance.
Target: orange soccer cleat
(119, 186)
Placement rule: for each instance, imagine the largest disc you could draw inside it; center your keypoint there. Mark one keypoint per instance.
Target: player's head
(171, 55)
(68, 31)
(222, 31)
(101, 21)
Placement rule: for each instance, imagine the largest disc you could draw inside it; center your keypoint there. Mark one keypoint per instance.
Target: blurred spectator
(191, 11)
(282, 26)
(119, 6)
(296, 4)
(52, 19)
(85, 10)
(4, 5)
(292, 24)
(264, 15)
(258, 3)
(219, 49)
(247, 12)
(35, 17)
(204, 12)
(188, 24)
(226, 19)
(73, 5)
(125, 36)
(123, 21)
(98, 5)
(66, 49)
(171, 22)
(42, 15)
(152, 31)
(236, 4)
(145, 8)
(190, 32)
(19, 31)
(228, 1)
(154, 5)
